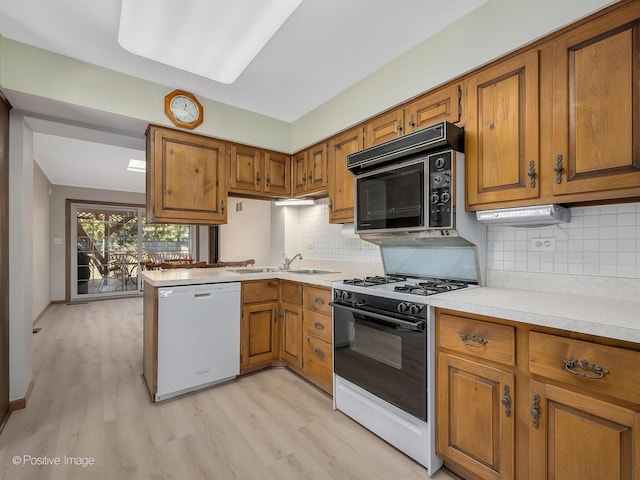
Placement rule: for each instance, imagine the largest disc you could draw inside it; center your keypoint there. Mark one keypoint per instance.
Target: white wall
(20, 255)
(493, 29)
(247, 232)
(58, 225)
(41, 286)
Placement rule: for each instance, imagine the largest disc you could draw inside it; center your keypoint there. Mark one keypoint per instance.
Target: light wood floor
(89, 401)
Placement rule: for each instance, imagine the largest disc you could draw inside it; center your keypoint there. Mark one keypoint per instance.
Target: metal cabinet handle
(506, 401)
(558, 168)
(535, 411)
(275, 315)
(412, 123)
(222, 206)
(399, 126)
(319, 300)
(311, 176)
(570, 363)
(467, 337)
(532, 173)
(268, 180)
(318, 352)
(318, 326)
(304, 178)
(257, 178)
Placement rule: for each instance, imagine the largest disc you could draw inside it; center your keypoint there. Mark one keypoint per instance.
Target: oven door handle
(414, 326)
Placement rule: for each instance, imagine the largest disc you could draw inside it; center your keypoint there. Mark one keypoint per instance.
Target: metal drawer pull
(318, 352)
(319, 300)
(570, 363)
(535, 411)
(318, 326)
(467, 337)
(506, 401)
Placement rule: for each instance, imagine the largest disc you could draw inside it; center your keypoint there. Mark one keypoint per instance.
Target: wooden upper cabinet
(277, 173)
(245, 171)
(426, 110)
(186, 177)
(310, 170)
(502, 132)
(384, 127)
(341, 180)
(596, 108)
(441, 105)
(256, 172)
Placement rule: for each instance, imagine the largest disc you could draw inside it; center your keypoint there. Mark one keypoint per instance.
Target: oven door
(392, 198)
(383, 355)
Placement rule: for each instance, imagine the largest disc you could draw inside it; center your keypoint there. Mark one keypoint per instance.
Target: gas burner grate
(374, 280)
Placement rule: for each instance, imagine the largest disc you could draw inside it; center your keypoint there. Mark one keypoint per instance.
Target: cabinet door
(501, 133)
(341, 201)
(317, 168)
(259, 334)
(291, 343)
(299, 172)
(597, 109)
(385, 127)
(576, 436)
(474, 421)
(185, 178)
(277, 174)
(435, 107)
(245, 169)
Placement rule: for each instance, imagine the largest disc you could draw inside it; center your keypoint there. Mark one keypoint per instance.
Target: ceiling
(292, 75)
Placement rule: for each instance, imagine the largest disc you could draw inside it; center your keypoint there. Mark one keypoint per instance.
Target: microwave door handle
(417, 326)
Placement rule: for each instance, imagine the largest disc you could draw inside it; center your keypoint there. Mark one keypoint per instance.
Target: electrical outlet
(543, 244)
(366, 245)
(57, 241)
(239, 207)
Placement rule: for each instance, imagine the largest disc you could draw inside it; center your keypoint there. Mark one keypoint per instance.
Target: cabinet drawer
(291, 292)
(548, 355)
(317, 300)
(318, 361)
(260, 291)
(318, 325)
(485, 340)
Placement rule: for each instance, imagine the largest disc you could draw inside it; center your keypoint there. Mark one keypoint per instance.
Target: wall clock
(183, 108)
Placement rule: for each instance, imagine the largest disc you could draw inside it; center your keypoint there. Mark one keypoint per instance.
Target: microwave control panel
(441, 190)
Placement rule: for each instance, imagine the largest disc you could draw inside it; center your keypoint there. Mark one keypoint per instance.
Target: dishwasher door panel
(198, 337)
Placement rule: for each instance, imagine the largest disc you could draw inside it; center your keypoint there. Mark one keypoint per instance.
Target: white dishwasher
(198, 337)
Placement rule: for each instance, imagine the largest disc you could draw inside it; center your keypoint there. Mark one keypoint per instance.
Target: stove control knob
(415, 309)
(434, 198)
(346, 295)
(403, 307)
(445, 197)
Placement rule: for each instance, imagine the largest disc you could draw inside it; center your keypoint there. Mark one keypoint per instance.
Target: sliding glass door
(109, 242)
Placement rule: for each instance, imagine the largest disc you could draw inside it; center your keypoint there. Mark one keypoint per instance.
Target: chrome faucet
(287, 261)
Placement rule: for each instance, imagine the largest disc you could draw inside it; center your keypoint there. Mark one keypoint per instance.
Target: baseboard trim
(21, 403)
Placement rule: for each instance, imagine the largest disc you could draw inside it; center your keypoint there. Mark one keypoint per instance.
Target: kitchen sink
(257, 270)
(309, 271)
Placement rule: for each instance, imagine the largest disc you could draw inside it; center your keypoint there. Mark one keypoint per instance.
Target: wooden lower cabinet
(574, 402)
(291, 323)
(318, 328)
(288, 321)
(259, 324)
(475, 423)
(578, 436)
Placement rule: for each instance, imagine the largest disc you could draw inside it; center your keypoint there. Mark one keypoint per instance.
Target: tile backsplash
(599, 240)
(318, 239)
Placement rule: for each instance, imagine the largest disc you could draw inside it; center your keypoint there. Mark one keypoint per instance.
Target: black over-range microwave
(408, 183)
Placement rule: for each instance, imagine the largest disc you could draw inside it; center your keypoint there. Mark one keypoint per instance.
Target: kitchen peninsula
(276, 317)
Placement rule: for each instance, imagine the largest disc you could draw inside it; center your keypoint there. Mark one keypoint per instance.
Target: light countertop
(613, 318)
(199, 276)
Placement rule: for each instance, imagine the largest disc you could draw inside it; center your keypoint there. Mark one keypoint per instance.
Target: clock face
(184, 109)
